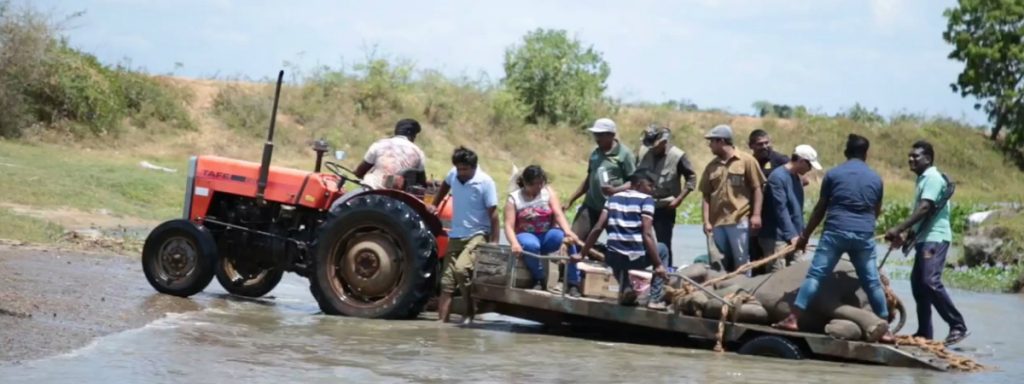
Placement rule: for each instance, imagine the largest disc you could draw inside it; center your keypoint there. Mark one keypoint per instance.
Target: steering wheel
(344, 174)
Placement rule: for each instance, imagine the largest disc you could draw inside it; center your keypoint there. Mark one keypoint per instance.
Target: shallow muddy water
(285, 339)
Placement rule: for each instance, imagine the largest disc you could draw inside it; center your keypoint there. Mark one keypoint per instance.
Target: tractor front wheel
(178, 258)
(246, 280)
(374, 259)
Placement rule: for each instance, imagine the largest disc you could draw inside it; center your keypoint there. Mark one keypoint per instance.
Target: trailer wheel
(772, 346)
(248, 281)
(178, 258)
(373, 259)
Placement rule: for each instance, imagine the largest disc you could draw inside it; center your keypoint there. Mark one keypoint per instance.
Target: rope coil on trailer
(937, 348)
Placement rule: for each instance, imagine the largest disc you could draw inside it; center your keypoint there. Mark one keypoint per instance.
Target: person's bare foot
(788, 324)
(887, 338)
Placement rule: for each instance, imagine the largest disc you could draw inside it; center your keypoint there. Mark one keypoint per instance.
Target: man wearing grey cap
(731, 187)
(608, 171)
(669, 165)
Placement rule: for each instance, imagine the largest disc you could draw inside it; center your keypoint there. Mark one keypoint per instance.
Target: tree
(987, 37)
(555, 77)
(762, 108)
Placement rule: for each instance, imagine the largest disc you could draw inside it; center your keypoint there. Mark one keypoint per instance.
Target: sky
(824, 54)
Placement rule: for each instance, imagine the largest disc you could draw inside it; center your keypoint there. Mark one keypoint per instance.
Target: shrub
(555, 77)
(244, 108)
(45, 81)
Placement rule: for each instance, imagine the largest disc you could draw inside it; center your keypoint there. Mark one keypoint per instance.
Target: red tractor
(372, 254)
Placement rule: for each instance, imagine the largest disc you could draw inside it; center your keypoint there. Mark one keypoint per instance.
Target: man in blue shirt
(931, 234)
(474, 221)
(783, 217)
(629, 218)
(850, 202)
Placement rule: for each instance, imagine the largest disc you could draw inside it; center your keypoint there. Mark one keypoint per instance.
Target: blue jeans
(621, 265)
(734, 242)
(926, 285)
(542, 244)
(861, 248)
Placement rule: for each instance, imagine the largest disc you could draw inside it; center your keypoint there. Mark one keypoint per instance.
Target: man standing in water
(931, 233)
(669, 165)
(474, 221)
(850, 202)
(610, 165)
(731, 187)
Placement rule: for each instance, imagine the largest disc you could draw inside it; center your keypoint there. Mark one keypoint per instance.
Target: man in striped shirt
(629, 217)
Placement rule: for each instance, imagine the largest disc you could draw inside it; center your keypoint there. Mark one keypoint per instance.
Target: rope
(748, 266)
(737, 299)
(594, 254)
(956, 362)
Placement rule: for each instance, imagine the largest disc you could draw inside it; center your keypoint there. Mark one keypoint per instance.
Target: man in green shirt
(931, 233)
(608, 171)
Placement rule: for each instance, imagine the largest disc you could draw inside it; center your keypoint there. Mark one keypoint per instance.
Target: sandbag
(844, 330)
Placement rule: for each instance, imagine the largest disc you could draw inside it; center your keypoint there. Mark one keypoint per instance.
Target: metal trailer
(498, 284)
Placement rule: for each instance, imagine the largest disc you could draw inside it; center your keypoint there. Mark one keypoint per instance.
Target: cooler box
(598, 281)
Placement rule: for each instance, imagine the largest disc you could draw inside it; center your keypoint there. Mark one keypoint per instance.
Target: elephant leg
(872, 326)
(844, 330)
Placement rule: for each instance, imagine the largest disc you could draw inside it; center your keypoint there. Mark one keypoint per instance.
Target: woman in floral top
(534, 223)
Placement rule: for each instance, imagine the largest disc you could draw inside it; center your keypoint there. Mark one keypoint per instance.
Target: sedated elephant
(840, 309)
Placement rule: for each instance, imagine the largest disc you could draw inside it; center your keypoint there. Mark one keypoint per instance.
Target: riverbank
(55, 300)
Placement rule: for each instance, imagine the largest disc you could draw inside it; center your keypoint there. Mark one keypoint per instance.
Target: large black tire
(374, 259)
(178, 258)
(772, 346)
(260, 283)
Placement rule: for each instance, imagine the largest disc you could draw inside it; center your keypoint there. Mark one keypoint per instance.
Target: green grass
(27, 229)
(978, 279)
(54, 176)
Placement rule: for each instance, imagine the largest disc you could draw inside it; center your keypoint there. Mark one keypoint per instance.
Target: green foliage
(506, 110)
(768, 109)
(43, 81)
(558, 79)
(381, 83)
(979, 279)
(986, 36)
(682, 105)
(25, 228)
(894, 213)
(244, 109)
(56, 176)
(861, 114)
(150, 101)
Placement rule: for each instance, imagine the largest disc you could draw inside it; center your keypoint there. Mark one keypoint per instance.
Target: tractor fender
(433, 222)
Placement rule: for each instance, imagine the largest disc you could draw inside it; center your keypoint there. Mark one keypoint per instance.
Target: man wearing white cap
(608, 171)
(783, 218)
(731, 187)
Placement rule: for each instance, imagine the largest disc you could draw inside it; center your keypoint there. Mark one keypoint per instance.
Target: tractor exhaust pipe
(268, 147)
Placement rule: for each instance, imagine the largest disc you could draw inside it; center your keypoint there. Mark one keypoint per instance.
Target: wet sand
(53, 301)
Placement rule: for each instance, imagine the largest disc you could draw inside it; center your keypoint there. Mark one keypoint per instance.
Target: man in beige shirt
(731, 188)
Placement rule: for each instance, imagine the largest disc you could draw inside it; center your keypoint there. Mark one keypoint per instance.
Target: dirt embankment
(53, 301)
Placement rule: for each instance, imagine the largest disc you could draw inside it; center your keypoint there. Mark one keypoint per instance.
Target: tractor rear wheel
(772, 346)
(373, 259)
(178, 258)
(246, 280)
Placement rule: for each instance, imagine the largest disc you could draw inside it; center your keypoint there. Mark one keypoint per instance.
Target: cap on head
(655, 134)
(603, 125)
(808, 153)
(721, 131)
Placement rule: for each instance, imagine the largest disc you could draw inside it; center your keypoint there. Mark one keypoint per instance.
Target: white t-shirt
(391, 156)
